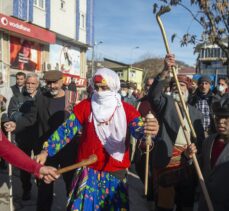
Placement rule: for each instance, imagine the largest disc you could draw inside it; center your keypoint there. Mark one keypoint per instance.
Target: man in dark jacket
(19, 87)
(215, 156)
(26, 139)
(202, 100)
(168, 157)
(50, 111)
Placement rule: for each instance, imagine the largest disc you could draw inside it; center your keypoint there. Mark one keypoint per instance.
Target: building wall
(72, 24)
(63, 20)
(6, 7)
(83, 20)
(39, 16)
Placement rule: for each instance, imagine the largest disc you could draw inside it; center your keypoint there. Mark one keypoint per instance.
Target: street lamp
(131, 65)
(93, 57)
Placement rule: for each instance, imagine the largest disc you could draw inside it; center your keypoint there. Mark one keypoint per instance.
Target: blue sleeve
(63, 135)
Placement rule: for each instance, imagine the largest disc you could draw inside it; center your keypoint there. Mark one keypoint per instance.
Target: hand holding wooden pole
(92, 159)
(148, 144)
(201, 179)
(174, 72)
(195, 162)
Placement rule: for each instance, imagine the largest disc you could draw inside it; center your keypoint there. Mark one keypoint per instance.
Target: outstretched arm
(18, 158)
(156, 95)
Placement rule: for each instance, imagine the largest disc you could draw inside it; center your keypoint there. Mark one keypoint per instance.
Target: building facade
(126, 72)
(42, 35)
(211, 59)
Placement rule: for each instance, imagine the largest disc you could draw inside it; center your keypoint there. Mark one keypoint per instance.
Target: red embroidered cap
(99, 80)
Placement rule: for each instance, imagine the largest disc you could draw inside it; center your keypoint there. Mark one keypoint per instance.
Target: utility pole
(93, 57)
(131, 65)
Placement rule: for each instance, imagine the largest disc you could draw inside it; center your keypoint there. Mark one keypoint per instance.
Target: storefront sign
(26, 29)
(80, 82)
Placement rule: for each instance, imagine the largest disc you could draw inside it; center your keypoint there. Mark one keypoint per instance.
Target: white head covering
(109, 116)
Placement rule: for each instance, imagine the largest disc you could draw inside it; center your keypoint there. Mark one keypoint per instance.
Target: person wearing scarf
(105, 121)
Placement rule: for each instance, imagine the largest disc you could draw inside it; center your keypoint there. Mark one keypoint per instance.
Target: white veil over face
(109, 116)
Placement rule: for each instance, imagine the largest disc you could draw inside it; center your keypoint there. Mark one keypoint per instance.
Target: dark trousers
(65, 157)
(27, 147)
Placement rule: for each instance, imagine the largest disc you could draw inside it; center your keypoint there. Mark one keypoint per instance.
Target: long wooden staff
(148, 143)
(161, 12)
(10, 180)
(200, 176)
(195, 162)
(92, 159)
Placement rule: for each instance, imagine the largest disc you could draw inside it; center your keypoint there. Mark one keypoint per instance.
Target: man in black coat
(168, 157)
(50, 110)
(215, 159)
(26, 139)
(202, 100)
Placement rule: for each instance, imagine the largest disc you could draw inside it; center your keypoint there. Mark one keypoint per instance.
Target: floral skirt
(98, 190)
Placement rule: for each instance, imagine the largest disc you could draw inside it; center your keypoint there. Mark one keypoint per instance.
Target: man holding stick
(175, 174)
(105, 120)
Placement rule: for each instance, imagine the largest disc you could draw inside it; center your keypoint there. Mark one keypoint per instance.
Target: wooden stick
(148, 143)
(92, 159)
(196, 164)
(167, 9)
(10, 179)
(200, 176)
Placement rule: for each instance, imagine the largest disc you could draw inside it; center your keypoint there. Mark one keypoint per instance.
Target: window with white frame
(39, 3)
(82, 20)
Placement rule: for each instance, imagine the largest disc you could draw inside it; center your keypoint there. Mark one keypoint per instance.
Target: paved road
(137, 202)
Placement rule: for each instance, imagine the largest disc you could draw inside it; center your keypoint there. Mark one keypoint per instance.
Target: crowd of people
(111, 124)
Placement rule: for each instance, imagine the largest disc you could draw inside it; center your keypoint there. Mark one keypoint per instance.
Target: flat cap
(204, 78)
(220, 107)
(124, 84)
(53, 75)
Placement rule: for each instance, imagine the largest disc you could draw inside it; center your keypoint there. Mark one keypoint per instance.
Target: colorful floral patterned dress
(95, 187)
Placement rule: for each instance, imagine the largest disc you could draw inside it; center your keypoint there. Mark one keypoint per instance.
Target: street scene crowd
(51, 131)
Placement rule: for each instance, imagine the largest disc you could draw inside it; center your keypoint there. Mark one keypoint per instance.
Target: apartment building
(44, 35)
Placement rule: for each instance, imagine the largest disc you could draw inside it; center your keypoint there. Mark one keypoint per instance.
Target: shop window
(39, 3)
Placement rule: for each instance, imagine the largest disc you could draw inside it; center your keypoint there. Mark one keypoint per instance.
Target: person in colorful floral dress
(105, 121)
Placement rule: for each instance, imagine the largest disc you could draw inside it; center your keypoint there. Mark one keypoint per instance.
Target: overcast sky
(125, 25)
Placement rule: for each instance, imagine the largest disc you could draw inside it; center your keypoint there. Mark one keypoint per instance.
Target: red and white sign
(26, 29)
(80, 82)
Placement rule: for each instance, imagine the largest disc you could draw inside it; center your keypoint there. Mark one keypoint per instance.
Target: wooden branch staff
(148, 144)
(200, 176)
(92, 159)
(195, 162)
(10, 180)
(161, 12)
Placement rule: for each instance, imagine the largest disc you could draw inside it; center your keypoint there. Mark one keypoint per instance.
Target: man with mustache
(26, 139)
(50, 110)
(174, 172)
